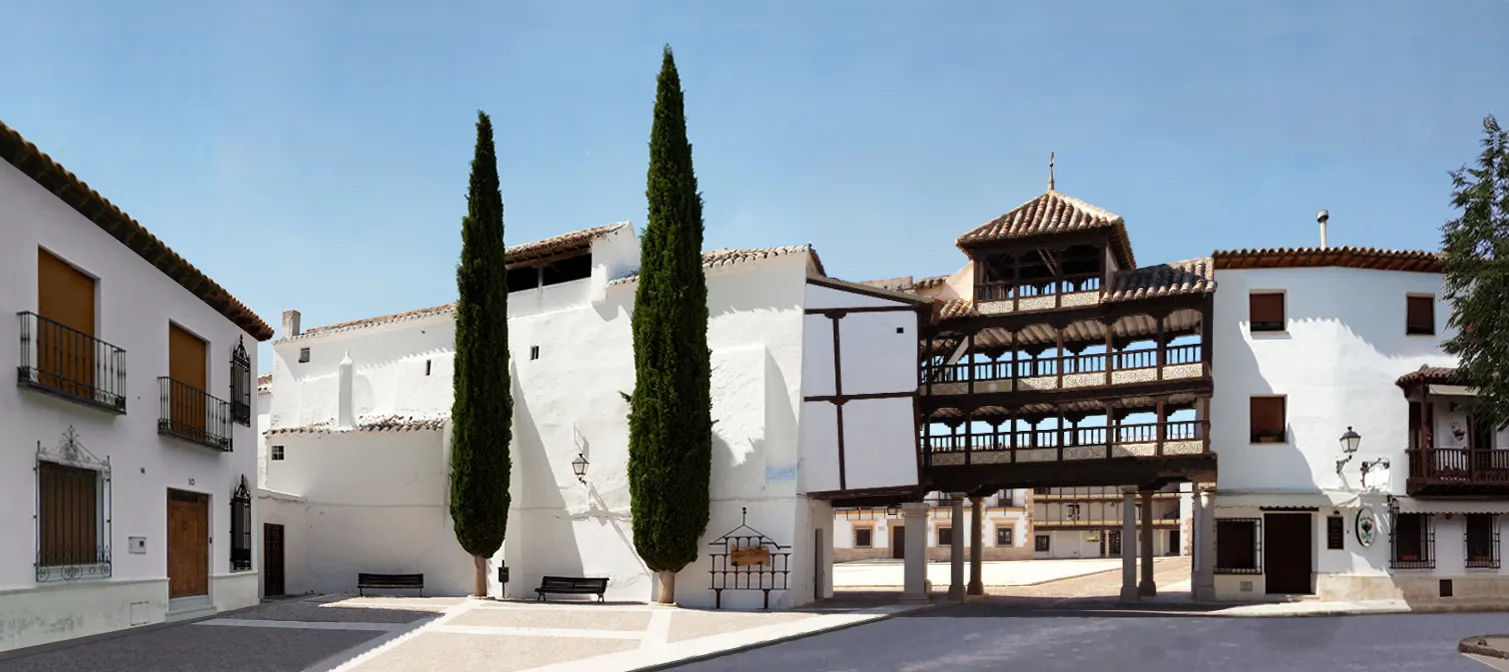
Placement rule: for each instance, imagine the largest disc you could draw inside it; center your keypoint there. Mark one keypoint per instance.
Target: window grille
(1239, 546)
(241, 385)
(1412, 542)
(241, 539)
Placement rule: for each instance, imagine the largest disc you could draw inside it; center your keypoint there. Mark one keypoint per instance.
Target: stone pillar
(1203, 583)
(914, 516)
(956, 548)
(1148, 587)
(976, 545)
(1129, 544)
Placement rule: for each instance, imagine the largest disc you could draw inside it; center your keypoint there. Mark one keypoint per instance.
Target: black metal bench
(391, 581)
(571, 585)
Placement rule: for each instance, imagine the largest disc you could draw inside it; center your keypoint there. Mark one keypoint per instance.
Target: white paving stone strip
(658, 635)
(538, 632)
(304, 625)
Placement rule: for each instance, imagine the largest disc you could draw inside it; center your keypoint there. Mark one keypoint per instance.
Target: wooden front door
(64, 338)
(1286, 553)
(186, 367)
(272, 560)
(188, 544)
(898, 541)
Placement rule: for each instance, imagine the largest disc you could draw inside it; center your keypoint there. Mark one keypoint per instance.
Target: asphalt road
(993, 637)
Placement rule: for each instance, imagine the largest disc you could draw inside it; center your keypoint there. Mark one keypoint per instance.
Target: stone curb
(1479, 646)
(941, 604)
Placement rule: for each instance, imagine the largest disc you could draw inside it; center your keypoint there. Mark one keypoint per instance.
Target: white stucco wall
(568, 400)
(877, 354)
(135, 303)
(1336, 363)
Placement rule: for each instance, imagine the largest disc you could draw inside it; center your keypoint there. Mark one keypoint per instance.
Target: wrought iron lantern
(1350, 441)
(579, 467)
(892, 511)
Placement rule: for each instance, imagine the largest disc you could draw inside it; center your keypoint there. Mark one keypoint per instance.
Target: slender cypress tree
(1476, 247)
(670, 417)
(482, 412)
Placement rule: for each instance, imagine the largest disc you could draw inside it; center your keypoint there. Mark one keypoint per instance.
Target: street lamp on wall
(1349, 443)
(579, 467)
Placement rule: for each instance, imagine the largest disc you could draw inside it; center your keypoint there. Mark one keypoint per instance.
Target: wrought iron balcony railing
(71, 364)
(1150, 439)
(191, 414)
(1065, 372)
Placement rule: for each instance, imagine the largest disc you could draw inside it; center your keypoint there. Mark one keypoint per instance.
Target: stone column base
(914, 599)
(1129, 594)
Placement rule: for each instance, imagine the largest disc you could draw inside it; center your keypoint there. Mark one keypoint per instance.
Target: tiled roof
(871, 290)
(264, 382)
(727, 257)
(955, 308)
(1050, 213)
(566, 242)
(375, 321)
(68, 188)
(1426, 375)
(390, 423)
(1192, 276)
(1419, 261)
(931, 281)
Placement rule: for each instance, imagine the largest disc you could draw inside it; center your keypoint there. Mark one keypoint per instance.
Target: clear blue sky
(309, 156)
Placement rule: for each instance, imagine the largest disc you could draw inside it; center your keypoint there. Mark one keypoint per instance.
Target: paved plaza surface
(988, 636)
(890, 573)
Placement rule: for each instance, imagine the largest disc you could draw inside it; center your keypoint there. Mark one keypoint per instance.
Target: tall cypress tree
(1476, 247)
(482, 412)
(670, 418)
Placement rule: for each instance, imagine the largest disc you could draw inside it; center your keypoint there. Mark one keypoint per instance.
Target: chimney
(1321, 217)
(344, 416)
(290, 323)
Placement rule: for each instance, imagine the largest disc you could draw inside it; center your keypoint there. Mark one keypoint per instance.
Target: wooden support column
(1110, 349)
(1060, 430)
(1012, 431)
(969, 436)
(1207, 335)
(1059, 339)
(1110, 430)
(1015, 371)
(1162, 346)
(929, 370)
(1162, 424)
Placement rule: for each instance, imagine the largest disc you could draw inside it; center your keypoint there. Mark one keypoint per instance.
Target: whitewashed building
(872, 533)
(358, 437)
(129, 437)
(1347, 469)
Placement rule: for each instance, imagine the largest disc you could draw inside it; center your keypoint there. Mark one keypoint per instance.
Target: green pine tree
(482, 412)
(1476, 247)
(670, 417)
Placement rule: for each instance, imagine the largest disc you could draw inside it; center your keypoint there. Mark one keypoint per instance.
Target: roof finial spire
(1050, 171)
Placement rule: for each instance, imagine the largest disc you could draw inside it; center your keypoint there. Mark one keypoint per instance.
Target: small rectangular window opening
(1420, 315)
(426, 367)
(303, 355)
(1265, 311)
(534, 352)
(275, 453)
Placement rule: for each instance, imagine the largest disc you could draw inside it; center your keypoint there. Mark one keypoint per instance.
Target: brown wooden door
(898, 541)
(1287, 546)
(65, 343)
(272, 560)
(186, 366)
(188, 544)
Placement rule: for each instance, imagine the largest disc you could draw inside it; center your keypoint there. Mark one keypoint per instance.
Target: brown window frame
(939, 532)
(1255, 434)
(1242, 552)
(1420, 325)
(1255, 325)
(869, 542)
(1010, 535)
(1042, 543)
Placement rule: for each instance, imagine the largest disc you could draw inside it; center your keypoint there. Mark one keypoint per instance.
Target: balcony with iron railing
(1068, 371)
(1069, 444)
(71, 364)
(193, 415)
(1067, 291)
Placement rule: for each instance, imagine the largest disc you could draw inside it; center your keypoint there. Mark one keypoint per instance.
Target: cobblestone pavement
(1170, 574)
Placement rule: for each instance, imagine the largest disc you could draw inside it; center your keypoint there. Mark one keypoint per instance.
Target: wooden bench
(571, 585)
(394, 581)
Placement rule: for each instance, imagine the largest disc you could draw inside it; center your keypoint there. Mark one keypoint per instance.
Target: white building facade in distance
(873, 533)
(1348, 470)
(359, 437)
(130, 436)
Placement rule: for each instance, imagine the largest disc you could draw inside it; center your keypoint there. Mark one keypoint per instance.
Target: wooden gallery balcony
(1068, 371)
(1143, 439)
(1458, 472)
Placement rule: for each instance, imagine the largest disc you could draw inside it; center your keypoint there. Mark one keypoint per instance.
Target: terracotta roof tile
(956, 308)
(1420, 261)
(375, 321)
(566, 242)
(1426, 375)
(906, 283)
(727, 257)
(389, 423)
(1050, 213)
(71, 190)
(1192, 276)
(264, 382)
(931, 281)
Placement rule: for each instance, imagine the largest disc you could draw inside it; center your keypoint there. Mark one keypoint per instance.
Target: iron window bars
(241, 384)
(68, 363)
(73, 513)
(241, 527)
(1414, 548)
(1233, 556)
(1482, 541)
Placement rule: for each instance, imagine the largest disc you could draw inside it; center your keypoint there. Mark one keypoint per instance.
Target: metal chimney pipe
(1321, 217)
